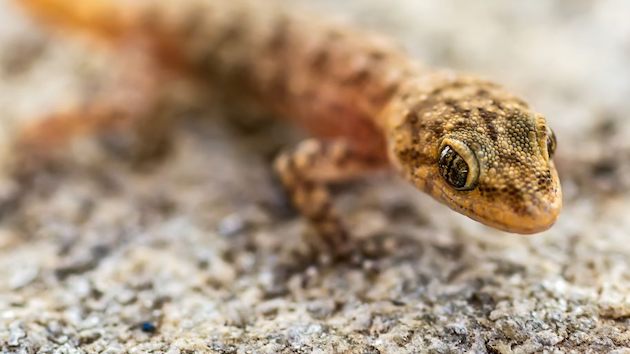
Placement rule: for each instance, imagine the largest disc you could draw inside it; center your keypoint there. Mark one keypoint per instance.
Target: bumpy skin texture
(518, 188)
(353, 91)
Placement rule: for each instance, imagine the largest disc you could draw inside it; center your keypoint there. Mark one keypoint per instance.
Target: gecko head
(483, 153)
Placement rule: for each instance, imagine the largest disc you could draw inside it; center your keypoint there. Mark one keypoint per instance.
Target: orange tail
(108, 19)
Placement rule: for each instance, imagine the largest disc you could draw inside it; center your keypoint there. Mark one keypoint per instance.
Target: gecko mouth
(535, 219)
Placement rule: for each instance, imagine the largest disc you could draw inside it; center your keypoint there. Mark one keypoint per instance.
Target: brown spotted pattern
(345, 85)
(518, 188)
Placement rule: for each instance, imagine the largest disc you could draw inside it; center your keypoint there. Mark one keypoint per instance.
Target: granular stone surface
(199, 252)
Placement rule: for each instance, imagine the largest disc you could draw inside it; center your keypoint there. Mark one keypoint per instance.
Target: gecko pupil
(453, 168)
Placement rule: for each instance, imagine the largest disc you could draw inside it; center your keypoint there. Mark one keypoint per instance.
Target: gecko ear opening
(458, 165)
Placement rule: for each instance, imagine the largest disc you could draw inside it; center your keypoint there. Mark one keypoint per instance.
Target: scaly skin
(366, 101)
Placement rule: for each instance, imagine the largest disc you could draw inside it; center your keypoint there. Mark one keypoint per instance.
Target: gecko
(366, 103)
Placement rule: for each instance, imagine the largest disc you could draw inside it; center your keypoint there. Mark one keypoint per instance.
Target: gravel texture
(199, 253)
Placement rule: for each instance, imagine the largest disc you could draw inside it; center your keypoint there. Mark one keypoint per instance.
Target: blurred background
(197, 252)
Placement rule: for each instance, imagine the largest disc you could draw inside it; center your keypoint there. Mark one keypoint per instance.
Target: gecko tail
(107, 19)
(117, 22)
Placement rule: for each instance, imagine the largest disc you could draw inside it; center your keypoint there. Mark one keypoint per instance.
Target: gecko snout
(537, 217)
(534, 212)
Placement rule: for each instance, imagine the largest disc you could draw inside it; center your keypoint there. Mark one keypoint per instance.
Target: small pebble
(148, 327)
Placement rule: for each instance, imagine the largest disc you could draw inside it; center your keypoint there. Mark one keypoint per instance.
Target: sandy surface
(197, 253)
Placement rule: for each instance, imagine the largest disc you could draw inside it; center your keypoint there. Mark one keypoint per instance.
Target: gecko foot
(306, 173)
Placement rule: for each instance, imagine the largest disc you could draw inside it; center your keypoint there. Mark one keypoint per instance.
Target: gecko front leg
(307, 172)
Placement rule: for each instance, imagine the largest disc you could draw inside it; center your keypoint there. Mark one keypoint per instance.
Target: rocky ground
(197, 254)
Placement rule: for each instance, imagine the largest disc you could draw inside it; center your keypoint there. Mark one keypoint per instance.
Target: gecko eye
(551, 143)
(458, 165)
(547, 138)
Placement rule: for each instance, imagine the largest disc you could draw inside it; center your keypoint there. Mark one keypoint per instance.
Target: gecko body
(465, 141)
